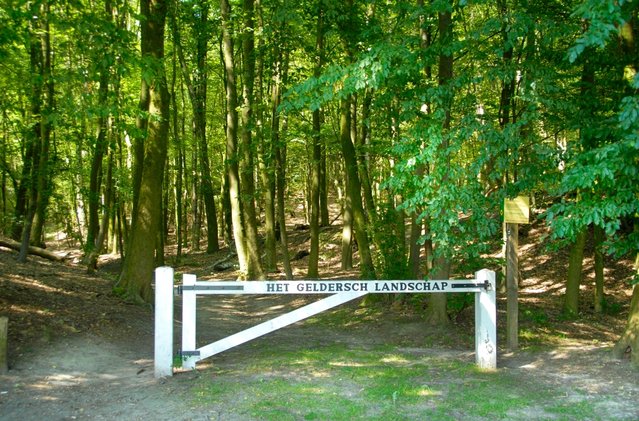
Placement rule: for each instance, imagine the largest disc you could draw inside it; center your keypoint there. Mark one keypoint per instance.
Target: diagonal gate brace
(267, 327)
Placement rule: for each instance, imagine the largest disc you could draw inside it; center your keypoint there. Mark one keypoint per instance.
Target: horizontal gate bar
(332, 287)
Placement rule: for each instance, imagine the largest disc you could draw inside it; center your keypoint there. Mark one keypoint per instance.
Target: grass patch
(341, 383)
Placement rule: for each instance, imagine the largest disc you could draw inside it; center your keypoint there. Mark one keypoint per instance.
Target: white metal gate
(342, 291)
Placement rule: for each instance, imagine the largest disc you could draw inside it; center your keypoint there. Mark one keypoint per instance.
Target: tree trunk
(599, 297)
(629, 341)
(100, 149)
(266, 155)
(267, 173)
(34, 167)
(232, 155)
(254, 261)
(313, 258)
(196, 88)
(137, 272)
(43, 176)
(92, 260)
(178, 167)
(280, 156)
(279, 76)
(573, 281)
(347, 228)
(323, 190)
(354, 192)
(362, 160)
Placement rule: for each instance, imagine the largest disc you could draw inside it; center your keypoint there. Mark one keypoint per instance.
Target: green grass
(340, 383)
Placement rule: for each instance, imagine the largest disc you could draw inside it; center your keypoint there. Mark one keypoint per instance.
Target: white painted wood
(278, 323)
(486, 322)
(189, 310)
(485, 307)
(163, 352)
(332, 287)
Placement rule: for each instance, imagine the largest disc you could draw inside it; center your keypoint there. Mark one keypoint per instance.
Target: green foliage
(390, 252)
(604, 19)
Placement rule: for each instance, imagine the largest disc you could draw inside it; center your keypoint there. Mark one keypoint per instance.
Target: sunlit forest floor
(78, 351)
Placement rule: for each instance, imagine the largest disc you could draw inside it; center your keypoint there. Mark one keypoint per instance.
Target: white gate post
(189, 301)
(163, 358)
(486, 321)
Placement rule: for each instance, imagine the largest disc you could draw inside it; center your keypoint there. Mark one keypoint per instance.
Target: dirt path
(84, 376)
(78, 352)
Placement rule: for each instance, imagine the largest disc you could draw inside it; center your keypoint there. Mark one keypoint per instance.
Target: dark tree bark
(313, 258)
(35, 170)
(354, 192)
(279, 77)
(254, 261)
(267, 154)
(599, 298)
(137, 272)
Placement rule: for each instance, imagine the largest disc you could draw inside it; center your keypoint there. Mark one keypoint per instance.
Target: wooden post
(4, 330)
(486, 321)
(512, 286)
(189, 304)
(163, 357)
(516, 211)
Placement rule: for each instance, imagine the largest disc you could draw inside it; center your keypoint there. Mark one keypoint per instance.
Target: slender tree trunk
(313, 258)
(599, 297)
(279, 77)
(232, 156)
(280, 156)
(226, 210)
(573, 281)
(267, 172)
(354, 192)
(575, 264)
(254, 261)
(196, 214)
(137, 272)
(33, 167)
(347, 227)
(95, 178)
(179, 178)
(92, 260)
(323, 189)
(196, 87)
(414, 261)
(43, 176)
(362, 160)
(266, 155)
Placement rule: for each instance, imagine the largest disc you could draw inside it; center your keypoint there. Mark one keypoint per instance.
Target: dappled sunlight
(32, 283)
(394, 359)
(348, 364)
(26, 309)
(426, 392)
(320, 374)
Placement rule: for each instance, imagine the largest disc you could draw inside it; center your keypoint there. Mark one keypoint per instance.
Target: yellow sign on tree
(517, 210)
